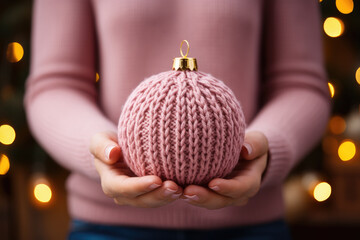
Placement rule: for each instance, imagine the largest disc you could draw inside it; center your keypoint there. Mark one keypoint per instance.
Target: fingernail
(215, 188)
(176, 195)
(248, 148)
(168, 191)
(193, 197)
(108, 151)
(153, 186)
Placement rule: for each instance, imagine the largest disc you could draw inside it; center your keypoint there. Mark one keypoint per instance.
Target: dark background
(338, 217)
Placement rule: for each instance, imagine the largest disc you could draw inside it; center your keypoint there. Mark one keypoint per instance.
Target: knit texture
(183, 126)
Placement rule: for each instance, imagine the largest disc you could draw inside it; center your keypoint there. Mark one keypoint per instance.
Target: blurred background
(322, 194)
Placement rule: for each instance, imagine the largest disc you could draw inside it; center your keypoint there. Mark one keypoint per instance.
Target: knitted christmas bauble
(185, 126)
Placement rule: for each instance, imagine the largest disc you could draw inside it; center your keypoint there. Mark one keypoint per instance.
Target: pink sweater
(268, 52)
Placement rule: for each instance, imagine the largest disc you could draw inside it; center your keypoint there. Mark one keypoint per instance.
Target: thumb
(255, 145)
(104, 146)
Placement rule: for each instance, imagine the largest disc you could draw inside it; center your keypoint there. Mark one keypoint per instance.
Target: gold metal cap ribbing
(184, 63)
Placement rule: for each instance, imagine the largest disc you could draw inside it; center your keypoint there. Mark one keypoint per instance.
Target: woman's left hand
(244, 181)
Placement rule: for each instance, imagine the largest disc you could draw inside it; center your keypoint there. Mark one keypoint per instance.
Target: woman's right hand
(119, 183)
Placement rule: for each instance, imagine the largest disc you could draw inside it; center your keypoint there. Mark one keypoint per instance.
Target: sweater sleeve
(295, 91)
(60, 97)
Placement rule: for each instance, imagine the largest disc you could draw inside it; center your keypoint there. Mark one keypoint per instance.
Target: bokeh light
(14, 52)
(346, 150)
(322, 191)
(42, 192)
(333, 27)
(331, 89)
(309, 181)
(4, 164)
(7, 134)
(337, 125)
(345, 6)
(357, 75)
(97, 77)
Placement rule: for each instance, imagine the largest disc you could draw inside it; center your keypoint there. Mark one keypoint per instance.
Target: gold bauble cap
(184, 63)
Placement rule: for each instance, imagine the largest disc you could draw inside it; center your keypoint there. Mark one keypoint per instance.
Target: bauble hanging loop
(187, 50)
(184, 63)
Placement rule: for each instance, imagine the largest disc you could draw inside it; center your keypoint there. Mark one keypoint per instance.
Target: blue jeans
(275, 230)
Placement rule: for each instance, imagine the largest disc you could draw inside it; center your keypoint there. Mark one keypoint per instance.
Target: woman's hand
(119, 183)
(244, 181)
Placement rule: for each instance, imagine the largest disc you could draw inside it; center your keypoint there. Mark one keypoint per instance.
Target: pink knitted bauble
(184, 126)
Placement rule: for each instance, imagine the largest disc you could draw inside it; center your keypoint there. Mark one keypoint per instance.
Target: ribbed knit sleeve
(297, 106)
(60, 99)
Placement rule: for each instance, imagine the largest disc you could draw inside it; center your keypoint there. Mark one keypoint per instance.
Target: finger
(244, 182)
(255, 145)
(253, 167)
(104, 146)
(115, 169)
(203, 197)
(168, 192)
(115, 183)
(241, 187)
(131, 187)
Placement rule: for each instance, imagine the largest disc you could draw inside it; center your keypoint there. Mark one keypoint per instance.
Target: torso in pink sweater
(268, 52)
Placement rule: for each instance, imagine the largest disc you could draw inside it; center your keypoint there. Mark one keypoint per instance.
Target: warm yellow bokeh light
(331, 89)
(14, 52)
(357, 75)
(333, 27)
(346, 150)
(7, 134)
(345, 6)
(42, 193)
(337, 125)
(4, 164)
(322, 191)
(97, 77)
